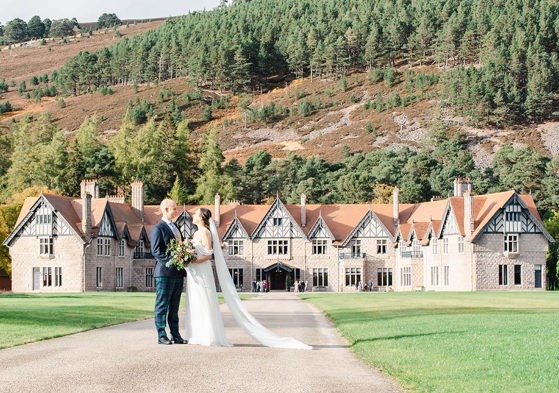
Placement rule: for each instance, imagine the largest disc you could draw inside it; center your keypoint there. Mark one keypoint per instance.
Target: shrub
(394, 100)
(354, 98)
(22, 87)
(3, 86)
(106, 90)
(375, 75)
(5, 107)
(391, 76)
(61, 103)
(370, 129)
(305, 108)
(343, 83)
(208, 114)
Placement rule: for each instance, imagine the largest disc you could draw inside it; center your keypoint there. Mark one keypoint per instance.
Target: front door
(277, 279)
(36, 279)
(538, 276)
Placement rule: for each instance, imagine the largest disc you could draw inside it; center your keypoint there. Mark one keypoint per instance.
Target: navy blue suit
(168, 281)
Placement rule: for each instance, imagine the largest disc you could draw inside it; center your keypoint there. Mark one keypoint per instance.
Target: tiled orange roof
(25, 208)
(341, 219)
(486, 206)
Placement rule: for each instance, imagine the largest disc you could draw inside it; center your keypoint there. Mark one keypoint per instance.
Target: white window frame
(236, 247)
(510, 243)
(319, 246)
(382, 246)
(237, 276)
(446, 275)
(58, 276)
(445, 245)
(121, 247)
(107, 246)
(385, 277)
(460, 244)
(435, 245)
(47, 276)
(278, 247)
(46, 246)
(406, 276)
(149, 277)
(434, 276)
(99, 246)
(320, 277)
(119, 277)
(503, 275)
(356, 248)
(352, 276)
(99, 277)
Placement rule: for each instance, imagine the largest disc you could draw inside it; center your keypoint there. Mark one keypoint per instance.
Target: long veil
(243, 318)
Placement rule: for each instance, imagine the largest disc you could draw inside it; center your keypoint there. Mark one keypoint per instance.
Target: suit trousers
(168, 292)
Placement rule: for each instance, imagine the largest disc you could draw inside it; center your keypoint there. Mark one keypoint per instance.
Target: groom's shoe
(164, 340)
(179, 340)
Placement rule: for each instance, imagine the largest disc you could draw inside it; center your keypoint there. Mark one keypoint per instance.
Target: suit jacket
(161, 235)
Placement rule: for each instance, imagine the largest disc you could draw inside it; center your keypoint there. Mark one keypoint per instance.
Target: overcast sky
(90, 10)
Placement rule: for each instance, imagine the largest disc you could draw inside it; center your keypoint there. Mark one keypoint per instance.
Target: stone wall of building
(489, 255)
(68, 251)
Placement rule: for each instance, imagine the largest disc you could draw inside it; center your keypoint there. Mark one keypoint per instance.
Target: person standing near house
(168, 280)
(370, 285)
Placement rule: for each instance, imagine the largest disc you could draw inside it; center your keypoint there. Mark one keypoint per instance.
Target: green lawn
(454, 342)
(32, 317)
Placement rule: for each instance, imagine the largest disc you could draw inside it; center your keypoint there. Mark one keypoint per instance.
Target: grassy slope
(33, 317)
(454, 342)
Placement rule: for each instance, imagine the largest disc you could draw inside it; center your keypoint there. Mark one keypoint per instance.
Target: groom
(168, 280)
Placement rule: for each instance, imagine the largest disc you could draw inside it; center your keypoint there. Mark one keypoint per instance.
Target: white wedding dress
(204, 324)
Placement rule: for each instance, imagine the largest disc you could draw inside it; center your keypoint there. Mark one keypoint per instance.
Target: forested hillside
(501, 55)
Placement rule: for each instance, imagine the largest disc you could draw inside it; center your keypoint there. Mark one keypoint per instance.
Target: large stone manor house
(463, 243)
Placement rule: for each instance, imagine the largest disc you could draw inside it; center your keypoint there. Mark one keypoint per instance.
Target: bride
(204, 324)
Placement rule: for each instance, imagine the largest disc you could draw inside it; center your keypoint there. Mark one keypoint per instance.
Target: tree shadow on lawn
(401, 336)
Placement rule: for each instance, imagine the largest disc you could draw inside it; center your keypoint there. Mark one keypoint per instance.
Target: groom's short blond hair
(166, 203)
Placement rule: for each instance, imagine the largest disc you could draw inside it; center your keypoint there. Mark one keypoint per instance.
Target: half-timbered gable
(369, 227)
(278, 223)
(185, 225)
(514, 217)
(107, 226)
(236, 230)
(320, 230)
(41, 220)
(449, 225)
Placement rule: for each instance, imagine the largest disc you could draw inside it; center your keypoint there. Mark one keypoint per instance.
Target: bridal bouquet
(180, 253)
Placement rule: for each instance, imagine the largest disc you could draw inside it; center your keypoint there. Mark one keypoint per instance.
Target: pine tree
(212, 178)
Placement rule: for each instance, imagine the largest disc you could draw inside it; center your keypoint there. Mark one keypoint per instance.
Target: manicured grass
(32, 317)
(454, 342)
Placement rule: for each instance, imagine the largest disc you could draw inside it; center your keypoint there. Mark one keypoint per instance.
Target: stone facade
(63, 244)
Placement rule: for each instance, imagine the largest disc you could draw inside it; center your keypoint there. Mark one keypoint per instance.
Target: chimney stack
(303, 210)
(89, 187)
(86, 216)
(396, 206)
(462, 185)
(468, 213)
(138, 198)
(217, 204)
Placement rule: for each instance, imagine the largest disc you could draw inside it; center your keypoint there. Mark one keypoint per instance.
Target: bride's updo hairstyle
(206, 214)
